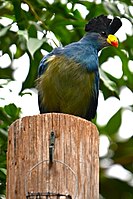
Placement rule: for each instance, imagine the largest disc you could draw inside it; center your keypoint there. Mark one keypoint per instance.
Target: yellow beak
(112, 40)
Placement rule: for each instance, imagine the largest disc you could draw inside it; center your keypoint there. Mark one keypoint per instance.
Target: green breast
(66, 87)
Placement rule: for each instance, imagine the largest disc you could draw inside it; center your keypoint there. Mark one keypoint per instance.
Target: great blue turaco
(68, 80)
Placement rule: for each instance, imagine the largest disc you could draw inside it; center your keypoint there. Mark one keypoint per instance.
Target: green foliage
(8, 114)
(67, 23)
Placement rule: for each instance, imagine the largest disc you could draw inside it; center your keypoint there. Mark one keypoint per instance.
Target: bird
(68, 77)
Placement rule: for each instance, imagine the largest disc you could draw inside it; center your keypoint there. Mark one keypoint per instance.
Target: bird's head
(105, 28)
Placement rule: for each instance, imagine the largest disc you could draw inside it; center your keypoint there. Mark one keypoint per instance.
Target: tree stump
(74, 171)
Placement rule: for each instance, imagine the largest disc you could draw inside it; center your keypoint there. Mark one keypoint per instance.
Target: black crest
(114, 26)
(103, 24)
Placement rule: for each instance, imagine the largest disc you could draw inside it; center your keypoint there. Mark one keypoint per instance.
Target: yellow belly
(66, 87)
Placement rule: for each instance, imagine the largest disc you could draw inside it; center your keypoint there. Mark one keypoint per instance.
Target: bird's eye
(103, 33)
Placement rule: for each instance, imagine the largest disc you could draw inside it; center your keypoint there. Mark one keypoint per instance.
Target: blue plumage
(69, 79)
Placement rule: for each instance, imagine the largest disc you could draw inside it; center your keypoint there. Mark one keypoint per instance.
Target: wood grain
(76, 156)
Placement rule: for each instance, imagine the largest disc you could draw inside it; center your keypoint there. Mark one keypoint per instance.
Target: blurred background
(28, 31)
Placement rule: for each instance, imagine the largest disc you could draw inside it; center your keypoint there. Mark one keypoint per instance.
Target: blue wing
(94, 99)
(42, 67)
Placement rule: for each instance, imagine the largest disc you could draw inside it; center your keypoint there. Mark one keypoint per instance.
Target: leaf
(6, 73)
(111, 8)
(114, 123)
(4, 117)
(25, 93)
(108, 84)
(33, 45)
(106, 53)
(32, 31)
(12, 111)
(115, 189)
(23, 33)
(124, 153)
(32, 75)
(4, 30)
(3, 132)
(3, 170)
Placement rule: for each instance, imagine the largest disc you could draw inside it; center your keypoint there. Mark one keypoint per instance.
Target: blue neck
(84, 51)
(92, 39)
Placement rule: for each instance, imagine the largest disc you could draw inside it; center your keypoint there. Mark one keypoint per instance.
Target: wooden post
(75, 168)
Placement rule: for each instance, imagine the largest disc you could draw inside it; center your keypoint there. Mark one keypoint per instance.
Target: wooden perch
(70, 169)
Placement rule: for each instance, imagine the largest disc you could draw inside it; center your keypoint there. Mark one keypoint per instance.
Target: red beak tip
(114, 43)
